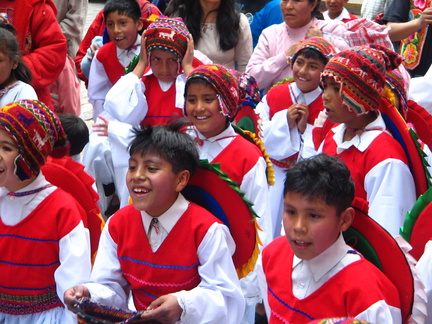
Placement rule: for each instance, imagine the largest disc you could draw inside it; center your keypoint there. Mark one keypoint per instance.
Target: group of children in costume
(169, 255)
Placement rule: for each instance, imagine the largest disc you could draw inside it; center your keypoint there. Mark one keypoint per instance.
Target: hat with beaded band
(36, 131)
(361, 71)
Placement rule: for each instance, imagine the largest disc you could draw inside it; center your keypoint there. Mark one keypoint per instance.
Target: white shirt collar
(324, 262)
(360, 141)
(344, 15)
(309, 97)
(170, 217)
(126, 55)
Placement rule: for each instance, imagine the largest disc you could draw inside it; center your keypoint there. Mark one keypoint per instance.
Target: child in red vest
(44, 246)
(353, 83)
(171, 254)
(288, 113)
(311, 273)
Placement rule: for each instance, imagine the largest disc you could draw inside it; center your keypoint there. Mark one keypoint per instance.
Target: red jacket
(41, 41)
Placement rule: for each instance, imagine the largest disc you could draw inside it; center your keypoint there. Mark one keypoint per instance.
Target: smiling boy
(311, 273)
(288, 113)
(171, 254)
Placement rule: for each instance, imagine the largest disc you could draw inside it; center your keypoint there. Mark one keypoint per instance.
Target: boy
(337, 11)
(326, 277)
(140, 250)
(123, 21)
(353, 83)
(154, 99)
(288, 113)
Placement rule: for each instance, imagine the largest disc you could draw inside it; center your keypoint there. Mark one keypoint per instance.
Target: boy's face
(307, 73)
(202, 109)
(335, 7)
(165, 65)
(152, 184)
(122, 29)
(312, 226)
(336, 110)
(8, 153)
(6, 67)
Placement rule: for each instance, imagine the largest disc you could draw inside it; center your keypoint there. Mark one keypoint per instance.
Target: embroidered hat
(319, 44)
(167, 34)
(224, 83)
(361, 72)
(36, 131)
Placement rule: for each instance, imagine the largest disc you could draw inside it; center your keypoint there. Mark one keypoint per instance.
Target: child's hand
(303, 114)
(75, 293)
(188, 58)
(143, 59)
(313, 31)
(93, 48)
(101, 128)
(292, 116)
(165, 309)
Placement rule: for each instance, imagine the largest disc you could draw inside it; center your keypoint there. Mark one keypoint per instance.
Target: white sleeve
(391, 193)
(380, 312)
(107, 284)
(218, 298)
(75, 264)
(126, 101)
(280, 141)
(243, 50)
(98, 86)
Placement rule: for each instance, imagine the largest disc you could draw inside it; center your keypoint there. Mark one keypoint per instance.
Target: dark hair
(128, 8)
(76, 130)
(170, 143)
(322, 177)
(316, 12)
(9, 46)
(310, 53)
(227, 22)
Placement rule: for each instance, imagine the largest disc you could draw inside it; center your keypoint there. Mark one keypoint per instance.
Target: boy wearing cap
(154, 98)
(353, 82)
(44, 247)
(288, 112)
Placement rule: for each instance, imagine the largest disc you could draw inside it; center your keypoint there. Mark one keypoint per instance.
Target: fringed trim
(245, 269)
(250, 264)
(414, 213)
(417, 142)
(270, 171)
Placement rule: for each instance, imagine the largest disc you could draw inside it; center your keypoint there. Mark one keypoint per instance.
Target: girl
(36, 217)
(353, 83)
(212, 100)
(15, 76)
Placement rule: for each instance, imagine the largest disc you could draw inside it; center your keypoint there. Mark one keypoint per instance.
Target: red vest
(107, 55)
(30, 255)
(161, 105)
(238, 158)
(173, 267)
(348, 293)
(383, 147)
(279, 98)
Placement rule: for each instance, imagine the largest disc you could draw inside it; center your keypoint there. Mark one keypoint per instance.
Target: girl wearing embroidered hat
(288, 112)
(212, 100)
(353, 82)
(44, 247)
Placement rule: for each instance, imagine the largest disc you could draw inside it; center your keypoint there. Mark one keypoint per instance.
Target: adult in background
(218, 28)
(302, 19)
(40, 39)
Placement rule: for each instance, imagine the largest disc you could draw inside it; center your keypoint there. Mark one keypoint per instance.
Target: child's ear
(182, 180)
(140, 24)
(346, 217)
